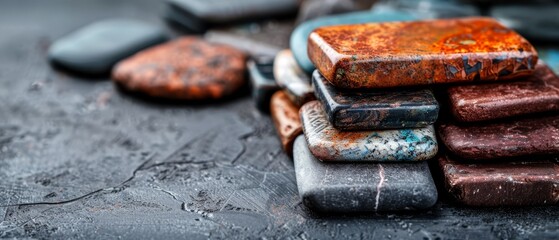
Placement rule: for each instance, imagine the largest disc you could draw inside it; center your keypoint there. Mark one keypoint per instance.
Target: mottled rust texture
(286, 120)
(502, 184)
(290, 77)
(188, 68)
(375, 109)
(505, 139)
(536, 93)
(423, 52)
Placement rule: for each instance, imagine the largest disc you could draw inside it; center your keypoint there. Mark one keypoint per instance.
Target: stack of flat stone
(503, 144)
(371, 130)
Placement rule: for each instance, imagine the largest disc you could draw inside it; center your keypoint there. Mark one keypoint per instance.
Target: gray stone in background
(430, 9)
(224, 161)
(535, 22)
(95, 48)
(329, 187)
(262, 82)
(253, 48)
(311, 9)
(199, 15)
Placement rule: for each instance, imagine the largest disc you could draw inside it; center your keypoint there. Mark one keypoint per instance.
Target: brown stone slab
(422, 52)
(187, 68)
(536, 93)
(534, 136)
(286, 120)
(502, 184)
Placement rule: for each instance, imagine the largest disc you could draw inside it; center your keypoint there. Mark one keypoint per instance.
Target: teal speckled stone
(298, 41)
(396, 145)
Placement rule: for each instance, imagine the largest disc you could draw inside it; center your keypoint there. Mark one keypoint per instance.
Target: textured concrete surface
(80, 159)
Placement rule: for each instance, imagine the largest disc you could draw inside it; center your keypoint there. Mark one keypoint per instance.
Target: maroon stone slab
(502, 184)
(512, 138)
(537, 93)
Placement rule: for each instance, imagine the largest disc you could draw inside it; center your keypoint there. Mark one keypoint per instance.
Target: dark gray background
(80, 159)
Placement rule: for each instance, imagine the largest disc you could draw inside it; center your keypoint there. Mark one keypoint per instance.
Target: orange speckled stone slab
(393, 54)
(536, 93)
(285, 115)
(188, 68)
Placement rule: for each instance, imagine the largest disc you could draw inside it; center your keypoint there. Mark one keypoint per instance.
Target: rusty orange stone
(188, 68)
(285, 115)
(393, 54)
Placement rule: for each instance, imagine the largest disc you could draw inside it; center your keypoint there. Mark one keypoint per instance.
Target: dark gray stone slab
(255, 49)
(331, 187)
(375, 109)
(199, 15)
(431, 9)
(311, 9)
(263, 83)
(535, 22)
(95, 48)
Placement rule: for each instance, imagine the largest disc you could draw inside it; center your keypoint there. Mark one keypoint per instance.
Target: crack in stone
(379, 186)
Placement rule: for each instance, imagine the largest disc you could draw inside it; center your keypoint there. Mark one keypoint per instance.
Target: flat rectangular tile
(513, 138)
(286, 120)
(533, 94)
(359, 187)
(263, 82)
(502, 184)
(396, 145)
(375, 109)
(394, 54)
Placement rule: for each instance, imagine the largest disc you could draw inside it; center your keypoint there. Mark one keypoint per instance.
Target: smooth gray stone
(311, 9)
(535, 22)
(95, 48)
(262, 81)
(299, 37)
(431, 9)
(251, 47)
(199, 15)
(377, 187)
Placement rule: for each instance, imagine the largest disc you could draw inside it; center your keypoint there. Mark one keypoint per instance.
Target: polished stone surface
(312, 9)
(522, 183)
(299, 37)
(292, 79)
(199, 15)
(188, 68)
(501, 140)
(535, 22)
(253, 48)
(431, 9)
(533, 94)
(373, 109)
(361, 187)
(286, 120)
(378, 55)
(262, 82)
(330, 144)
(95, 48)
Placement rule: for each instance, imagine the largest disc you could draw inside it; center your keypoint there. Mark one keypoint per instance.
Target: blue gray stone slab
(370, 109)
(299, 37)
(361, 187)
(291, 78)
(396, 145)
(533, 21)
(199, 15)
(95, 48)
(263, 82)
(430, 9)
